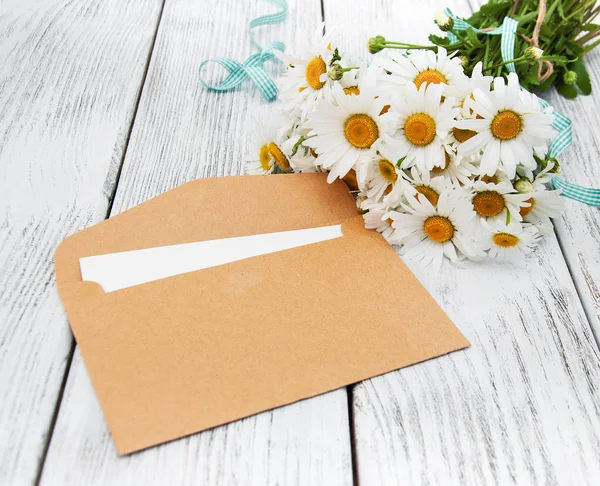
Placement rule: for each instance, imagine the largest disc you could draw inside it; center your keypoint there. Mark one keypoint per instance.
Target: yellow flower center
(352, 90)
(488, 203)
(438, 228)
(430, 76)
(350, 180)
(437, 169)
(430, 194)
(264, 157)
(278, 156)
(463, 135)
(490, 179)
(506, 125)
(315, 67)
(361, 131)
(388, 171)
(505, 240)
(524, 211)
(419, 129)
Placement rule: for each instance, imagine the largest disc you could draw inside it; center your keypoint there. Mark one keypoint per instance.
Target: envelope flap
(208, 209)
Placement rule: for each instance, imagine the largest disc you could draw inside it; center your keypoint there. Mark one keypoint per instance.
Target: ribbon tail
(586, 195)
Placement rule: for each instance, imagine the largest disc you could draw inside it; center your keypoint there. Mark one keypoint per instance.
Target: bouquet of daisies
(443, 164)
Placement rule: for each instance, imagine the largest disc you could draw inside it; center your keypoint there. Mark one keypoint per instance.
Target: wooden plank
(183, 132)
(578, 230)
(67, 107)
(521, 405)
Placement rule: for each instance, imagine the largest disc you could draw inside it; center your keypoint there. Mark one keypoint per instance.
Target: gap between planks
(71, 354)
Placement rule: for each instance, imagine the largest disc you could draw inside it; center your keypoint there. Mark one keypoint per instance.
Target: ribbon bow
(253, 67)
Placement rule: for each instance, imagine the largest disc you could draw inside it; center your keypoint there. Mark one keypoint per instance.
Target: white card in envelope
(115, 271)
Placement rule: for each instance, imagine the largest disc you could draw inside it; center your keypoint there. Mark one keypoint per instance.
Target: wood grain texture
(183, 132)
(66, 109)
(521, 406)
(578, 230)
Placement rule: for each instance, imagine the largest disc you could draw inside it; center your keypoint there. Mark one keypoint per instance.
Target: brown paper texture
(183, 354)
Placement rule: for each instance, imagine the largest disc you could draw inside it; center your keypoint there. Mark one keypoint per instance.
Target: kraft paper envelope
(177, 355)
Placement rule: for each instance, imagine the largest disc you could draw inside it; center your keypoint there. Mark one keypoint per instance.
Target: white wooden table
(101, 109)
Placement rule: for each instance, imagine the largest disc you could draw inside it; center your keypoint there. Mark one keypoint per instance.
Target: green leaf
(574, 49)
(567, 90)
(589, 27)
(546, 85)
(439, 41)
(530, 77)
(547, 30)
(472, 35)
(583, 78)
(560, 42)
(475, 19)
(496, 8)
(557, 59)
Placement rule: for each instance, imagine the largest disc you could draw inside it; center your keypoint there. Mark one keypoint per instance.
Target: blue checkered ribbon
(253, 67)
(562, 124)
(564, 127)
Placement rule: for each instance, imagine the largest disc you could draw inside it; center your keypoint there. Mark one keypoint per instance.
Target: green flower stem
(589, 47)
(587, 37)
(517, 60)
(404, 45)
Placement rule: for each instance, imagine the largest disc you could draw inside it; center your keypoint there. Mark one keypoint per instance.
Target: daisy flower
(303, 162)
(382, 177)
(301, 158)
(497, 178)
(544, 204)
(458, 171)
(457, 136)
(508, 242)
(423, 122)
(427, 186)
(307, 79)
(464, 91)
(429, 233)
(365, 77)
(424, 67)
(376, 217)
(265, 149)
(491, 200)
(349, 133)
(510, 124)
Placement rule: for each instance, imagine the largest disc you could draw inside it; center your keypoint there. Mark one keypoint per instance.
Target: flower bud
(444, 22)
(376, 44)
(523, 186)
(570, 77)
(533, 54)
(336, 72)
